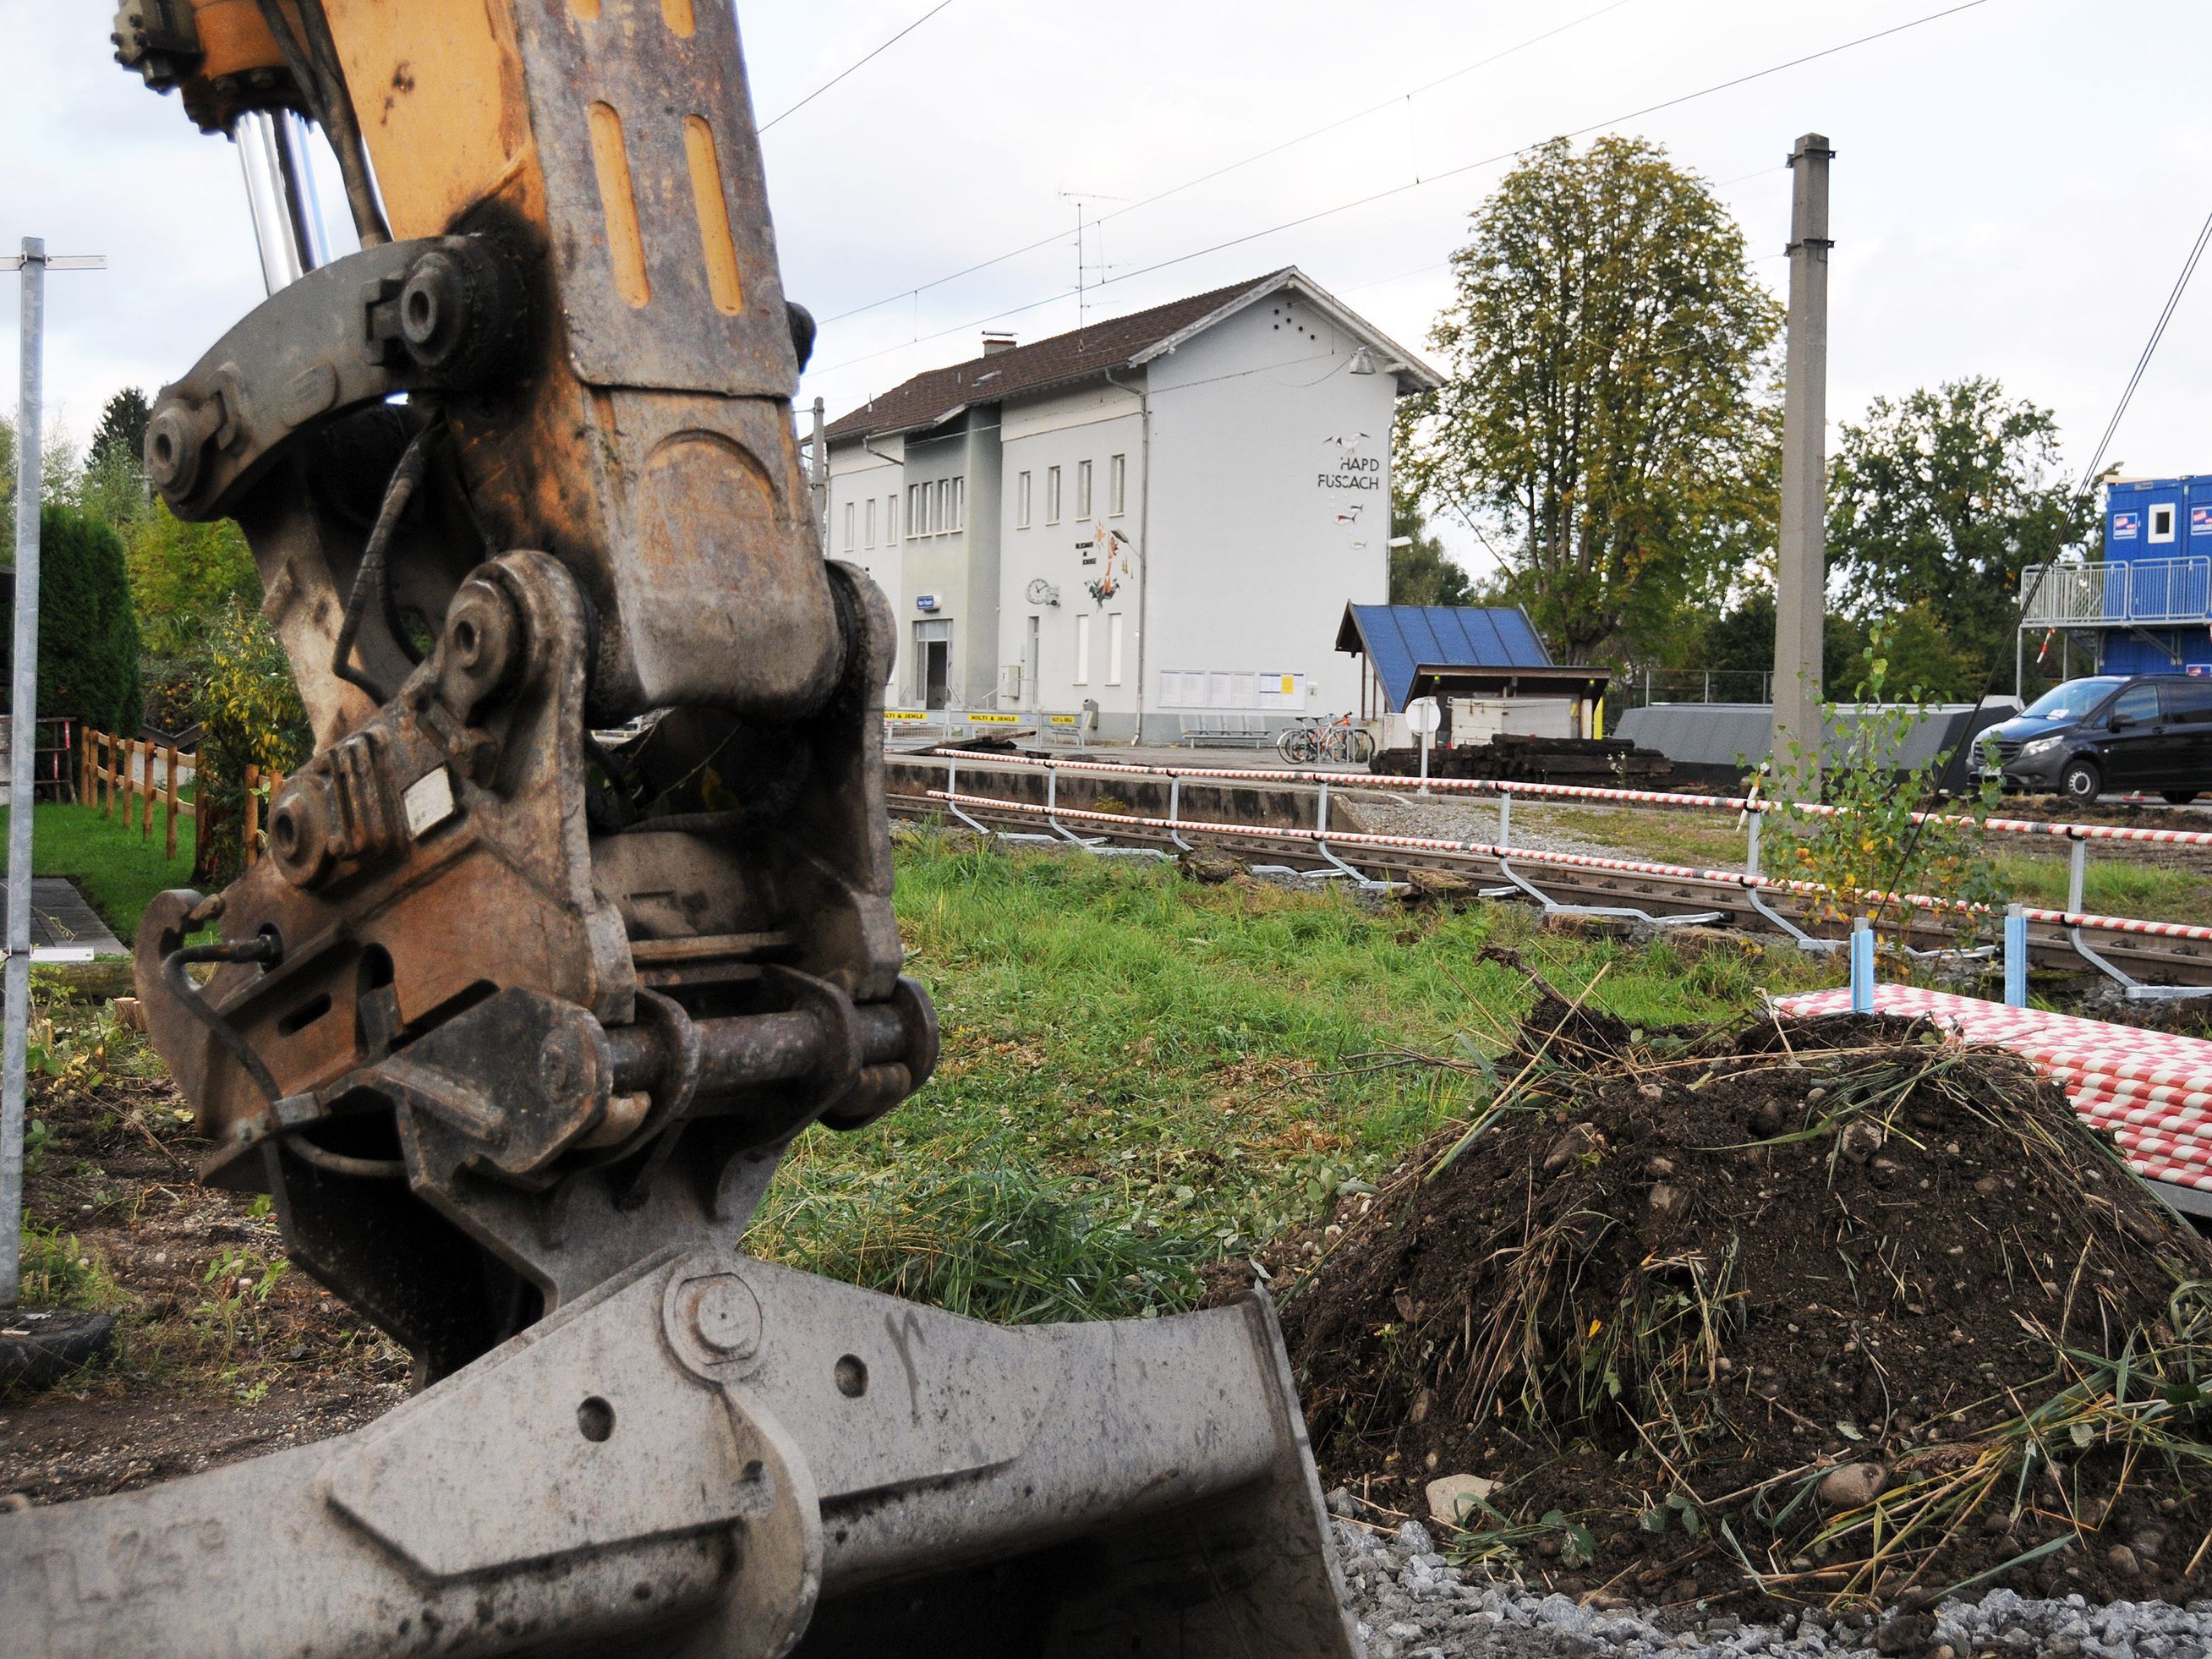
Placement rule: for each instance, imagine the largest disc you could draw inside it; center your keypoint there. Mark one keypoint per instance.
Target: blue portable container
(2156, 611)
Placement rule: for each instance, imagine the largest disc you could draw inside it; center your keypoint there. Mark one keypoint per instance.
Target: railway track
(2152, 960)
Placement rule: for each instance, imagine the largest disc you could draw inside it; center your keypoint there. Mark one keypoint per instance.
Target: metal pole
(24, 705)
(817, 472)
(1800, 580)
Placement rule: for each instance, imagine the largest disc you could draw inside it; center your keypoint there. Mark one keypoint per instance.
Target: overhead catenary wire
(1418, 183)
(1276, 148)
(851, 68)
(2150, 349)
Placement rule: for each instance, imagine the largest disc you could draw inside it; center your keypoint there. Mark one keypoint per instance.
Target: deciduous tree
(1610, 422)
(1940, 499)
(1421, 572)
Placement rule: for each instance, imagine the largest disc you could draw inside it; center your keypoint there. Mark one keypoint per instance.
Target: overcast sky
(2015, 187)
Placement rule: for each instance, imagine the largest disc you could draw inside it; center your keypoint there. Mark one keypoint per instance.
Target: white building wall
(1268, 504)
(1260, 440)
(1048, 560)
(860, 482)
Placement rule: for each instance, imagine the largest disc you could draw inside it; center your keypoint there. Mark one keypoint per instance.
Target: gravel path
(1412, 1606)
(1458, 818)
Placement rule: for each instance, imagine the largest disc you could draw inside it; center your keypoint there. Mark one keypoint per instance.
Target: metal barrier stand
(1752, 882)
(1754, 814)
(2077, 880)
(1552, 907)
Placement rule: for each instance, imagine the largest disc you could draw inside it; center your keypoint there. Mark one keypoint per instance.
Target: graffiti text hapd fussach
(1353, 472)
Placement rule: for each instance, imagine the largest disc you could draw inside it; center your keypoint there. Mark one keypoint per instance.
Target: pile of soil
(1679, 1282)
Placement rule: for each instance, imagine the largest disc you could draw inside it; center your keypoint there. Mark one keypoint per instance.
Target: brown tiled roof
(927, 398)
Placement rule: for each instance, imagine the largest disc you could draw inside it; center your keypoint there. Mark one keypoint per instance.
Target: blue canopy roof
(1493, 644)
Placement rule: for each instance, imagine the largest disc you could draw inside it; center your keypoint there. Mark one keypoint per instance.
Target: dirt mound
(1846, 1316)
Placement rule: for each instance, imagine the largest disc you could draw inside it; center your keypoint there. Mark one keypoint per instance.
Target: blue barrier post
(1861, 966)
(2015, 955)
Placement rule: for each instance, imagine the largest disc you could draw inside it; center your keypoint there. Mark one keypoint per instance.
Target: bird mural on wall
(1114, 545)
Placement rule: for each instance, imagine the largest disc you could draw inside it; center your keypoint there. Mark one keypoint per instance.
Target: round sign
(1424, 716)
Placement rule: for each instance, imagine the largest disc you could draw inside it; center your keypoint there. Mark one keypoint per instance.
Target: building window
(1112, 647)
(1083, 650)
(891, 520)
(849, 527)
(1083, 489)
(870, 544)
(1117, 485)
(917, 510)
(1022, 502)
(959, 518)
(940, 510)
(2161, 523)
(1052, 494)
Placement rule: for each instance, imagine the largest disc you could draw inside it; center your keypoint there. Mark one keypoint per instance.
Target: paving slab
(63, 927)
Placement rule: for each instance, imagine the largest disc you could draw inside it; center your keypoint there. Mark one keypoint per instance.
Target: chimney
(994, 344)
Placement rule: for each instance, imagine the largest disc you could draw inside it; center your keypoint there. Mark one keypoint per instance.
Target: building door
(1031, 659)
(932, 657)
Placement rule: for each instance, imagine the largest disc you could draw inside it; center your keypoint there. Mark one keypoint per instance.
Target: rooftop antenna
(1083, 198)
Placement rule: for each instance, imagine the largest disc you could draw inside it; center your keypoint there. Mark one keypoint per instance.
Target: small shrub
(59, 1273)
(251, 714)
(1869, 845)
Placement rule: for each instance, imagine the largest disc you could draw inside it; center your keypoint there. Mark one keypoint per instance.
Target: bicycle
(1336, 738)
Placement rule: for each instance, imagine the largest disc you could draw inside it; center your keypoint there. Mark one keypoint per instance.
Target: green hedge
(87, 631)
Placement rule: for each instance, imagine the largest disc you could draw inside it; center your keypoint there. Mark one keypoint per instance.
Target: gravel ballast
(1411, 1604)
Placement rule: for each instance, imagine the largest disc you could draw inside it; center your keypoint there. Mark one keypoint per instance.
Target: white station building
(1154, 522)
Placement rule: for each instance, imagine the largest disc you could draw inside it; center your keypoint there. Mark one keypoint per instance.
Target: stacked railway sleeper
(1536, 760)
(1842, 1316)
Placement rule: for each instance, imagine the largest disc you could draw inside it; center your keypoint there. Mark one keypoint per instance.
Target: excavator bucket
(720, 1457)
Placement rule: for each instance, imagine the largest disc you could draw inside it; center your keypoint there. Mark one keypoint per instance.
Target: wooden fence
(139, 775)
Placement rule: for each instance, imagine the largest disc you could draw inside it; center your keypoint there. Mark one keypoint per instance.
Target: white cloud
(2006, 202)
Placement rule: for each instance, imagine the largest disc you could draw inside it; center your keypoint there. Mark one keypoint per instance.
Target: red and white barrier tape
(2167, 1135)
(1589, 792)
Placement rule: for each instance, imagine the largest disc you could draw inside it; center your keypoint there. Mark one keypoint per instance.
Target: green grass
(1142, 1072)
(117, 869)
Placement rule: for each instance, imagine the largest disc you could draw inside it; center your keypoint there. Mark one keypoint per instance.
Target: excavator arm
(579, 913)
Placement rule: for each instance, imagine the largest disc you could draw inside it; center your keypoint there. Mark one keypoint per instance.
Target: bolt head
(726, 1316)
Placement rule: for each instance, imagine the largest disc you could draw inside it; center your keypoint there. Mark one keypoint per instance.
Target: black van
(2118, 734)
